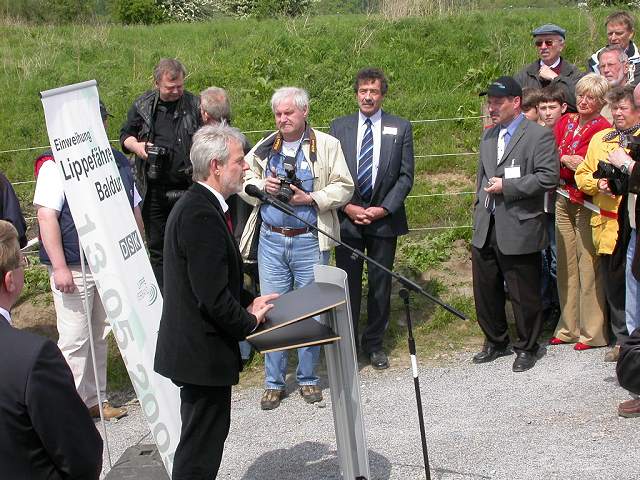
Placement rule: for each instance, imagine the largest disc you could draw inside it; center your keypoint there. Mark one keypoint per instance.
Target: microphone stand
(404, 294)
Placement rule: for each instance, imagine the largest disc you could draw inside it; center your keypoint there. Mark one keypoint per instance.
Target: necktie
(365, 163)
(227, 216)
(503, 141)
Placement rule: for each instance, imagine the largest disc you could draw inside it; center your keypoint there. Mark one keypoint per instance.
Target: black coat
(628, 367)
(45, 428)
(203, 314)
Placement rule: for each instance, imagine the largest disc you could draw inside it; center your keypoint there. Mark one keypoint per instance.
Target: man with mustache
(378, 148)
(518, 163)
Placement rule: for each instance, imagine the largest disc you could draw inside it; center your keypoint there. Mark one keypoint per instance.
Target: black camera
(615, 177)
(155, 159)
(289, 178)
(633, 144)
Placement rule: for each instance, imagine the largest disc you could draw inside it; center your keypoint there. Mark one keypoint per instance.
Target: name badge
(512, 172)
(389, 131)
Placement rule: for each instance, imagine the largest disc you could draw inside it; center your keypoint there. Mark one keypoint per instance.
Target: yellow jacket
(605, 229)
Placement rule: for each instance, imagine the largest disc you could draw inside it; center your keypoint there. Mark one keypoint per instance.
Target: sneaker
(630, 408)
(108, 412)
(311, 393)
(613, 354)
(271, 398)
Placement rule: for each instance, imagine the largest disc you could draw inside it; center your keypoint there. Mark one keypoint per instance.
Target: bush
(49, 11)
(265, 8)
(147, 12)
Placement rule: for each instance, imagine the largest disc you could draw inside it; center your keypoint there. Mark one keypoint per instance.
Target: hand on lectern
(260, 306)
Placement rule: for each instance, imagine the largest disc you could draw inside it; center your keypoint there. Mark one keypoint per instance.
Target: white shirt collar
(375, 118)
(555, 64)
(6, 314)
(217, 194)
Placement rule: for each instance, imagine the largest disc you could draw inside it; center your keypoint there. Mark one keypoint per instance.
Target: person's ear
(563, 108)
(9, 282)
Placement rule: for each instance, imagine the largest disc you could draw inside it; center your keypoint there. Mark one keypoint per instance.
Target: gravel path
(556, 421)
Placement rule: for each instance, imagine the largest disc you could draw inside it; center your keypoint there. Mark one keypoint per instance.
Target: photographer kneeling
(607, 186)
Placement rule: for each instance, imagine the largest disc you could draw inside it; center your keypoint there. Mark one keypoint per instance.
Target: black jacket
(139, 125)
(45, 429)
(628, 367)
(10, 209)
(203, 314)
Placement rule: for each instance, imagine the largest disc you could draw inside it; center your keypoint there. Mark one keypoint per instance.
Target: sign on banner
(114, 250)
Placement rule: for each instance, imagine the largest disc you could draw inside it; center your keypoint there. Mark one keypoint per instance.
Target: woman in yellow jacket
(626, 120)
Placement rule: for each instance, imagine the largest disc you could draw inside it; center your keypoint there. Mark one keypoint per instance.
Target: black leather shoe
(524, 361)
(379, 360)
(489, 353)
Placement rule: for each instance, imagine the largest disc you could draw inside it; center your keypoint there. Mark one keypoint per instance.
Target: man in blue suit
(378, 148)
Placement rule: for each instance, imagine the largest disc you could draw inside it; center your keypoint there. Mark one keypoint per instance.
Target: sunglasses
(547, 43)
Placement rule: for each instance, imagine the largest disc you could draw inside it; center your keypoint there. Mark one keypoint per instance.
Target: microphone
(264, 197)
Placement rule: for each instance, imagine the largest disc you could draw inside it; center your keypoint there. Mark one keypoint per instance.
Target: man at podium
(306, 169)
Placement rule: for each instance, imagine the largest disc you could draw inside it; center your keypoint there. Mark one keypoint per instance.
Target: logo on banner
(147, 292)
(130, 244)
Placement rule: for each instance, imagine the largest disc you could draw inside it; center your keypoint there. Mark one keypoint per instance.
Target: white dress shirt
(376, 129)
(6, 315)
(219, 196)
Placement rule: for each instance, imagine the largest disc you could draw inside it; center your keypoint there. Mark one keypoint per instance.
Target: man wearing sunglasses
(551, 68)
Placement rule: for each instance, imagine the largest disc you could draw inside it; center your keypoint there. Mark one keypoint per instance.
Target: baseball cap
(503, 87)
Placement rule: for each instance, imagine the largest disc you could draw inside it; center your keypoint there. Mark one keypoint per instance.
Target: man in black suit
(518, 164)
(378, 148)
(45, 428)
(205, 311)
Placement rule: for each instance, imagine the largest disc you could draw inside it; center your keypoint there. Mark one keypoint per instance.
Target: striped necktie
(365, 163)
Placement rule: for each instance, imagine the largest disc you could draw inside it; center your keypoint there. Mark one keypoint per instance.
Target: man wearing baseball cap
(518, 163)
(551, 68)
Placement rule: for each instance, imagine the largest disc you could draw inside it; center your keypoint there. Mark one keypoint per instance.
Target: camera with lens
(615, 177)
(155, 158)
(289, 178)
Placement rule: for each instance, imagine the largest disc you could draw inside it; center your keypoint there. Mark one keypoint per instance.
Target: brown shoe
(271, 398)
(613, 354)
(108, 412)
(630, 408)
(311, 393)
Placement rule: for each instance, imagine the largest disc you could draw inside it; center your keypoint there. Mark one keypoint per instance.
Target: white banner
(114, 250)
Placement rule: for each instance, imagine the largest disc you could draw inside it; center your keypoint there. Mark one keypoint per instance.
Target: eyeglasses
(547, 43)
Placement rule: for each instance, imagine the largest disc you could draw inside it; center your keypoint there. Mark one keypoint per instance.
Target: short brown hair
(552, 93)
(622, 17)
(530, 98)
(215, 101)
(9, 247)
(618, 94)
(169, 66)
(371, 74)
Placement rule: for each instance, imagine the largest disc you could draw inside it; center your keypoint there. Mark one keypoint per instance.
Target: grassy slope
(436, 68)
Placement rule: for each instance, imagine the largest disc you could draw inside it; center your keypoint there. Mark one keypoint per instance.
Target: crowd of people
(555, 212)
(554, 231)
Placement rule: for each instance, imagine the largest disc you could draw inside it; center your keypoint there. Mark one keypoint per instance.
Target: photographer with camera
(306, 169)
(596, 177)
(158, 131)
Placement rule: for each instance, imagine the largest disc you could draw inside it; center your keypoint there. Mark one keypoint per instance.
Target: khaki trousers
(581, 295)
(73, 333)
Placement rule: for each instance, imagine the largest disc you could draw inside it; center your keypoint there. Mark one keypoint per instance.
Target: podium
(319, 314)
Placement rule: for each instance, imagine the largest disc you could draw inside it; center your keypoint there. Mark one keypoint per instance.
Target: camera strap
(152, 127)
(309, 135)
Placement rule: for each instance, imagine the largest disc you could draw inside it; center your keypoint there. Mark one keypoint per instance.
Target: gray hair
(299, 96)
(212, 142)
(622, 55)
(169, 66)
(215, 102)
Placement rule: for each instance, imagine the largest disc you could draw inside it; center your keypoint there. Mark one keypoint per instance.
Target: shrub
(147, 12)
(49, 11)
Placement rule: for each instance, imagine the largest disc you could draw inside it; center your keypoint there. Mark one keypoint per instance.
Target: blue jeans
(632, 294)
(284, 264)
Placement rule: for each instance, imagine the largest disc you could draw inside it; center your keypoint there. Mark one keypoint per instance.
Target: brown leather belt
(288, 232)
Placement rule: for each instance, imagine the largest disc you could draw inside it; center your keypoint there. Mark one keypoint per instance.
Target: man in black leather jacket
(158, 131)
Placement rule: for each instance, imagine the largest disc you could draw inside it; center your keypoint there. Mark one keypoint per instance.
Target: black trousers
(206, 418)
(155, 212)
(613, 279)
(522, 273)
(382, 250)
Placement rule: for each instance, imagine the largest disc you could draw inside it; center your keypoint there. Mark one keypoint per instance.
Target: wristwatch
(624, 168)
